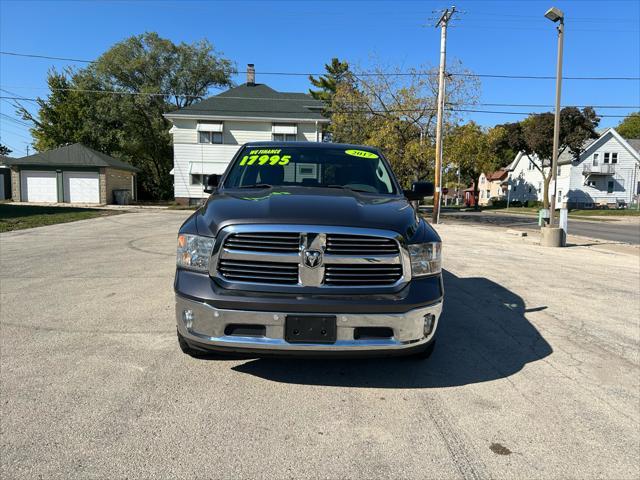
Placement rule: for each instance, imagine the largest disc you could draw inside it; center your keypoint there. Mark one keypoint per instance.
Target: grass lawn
(18, 217)
(626, 212)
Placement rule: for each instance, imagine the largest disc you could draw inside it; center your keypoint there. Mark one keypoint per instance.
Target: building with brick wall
(71, 174)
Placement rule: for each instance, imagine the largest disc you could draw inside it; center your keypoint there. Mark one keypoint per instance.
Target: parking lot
(536, 373)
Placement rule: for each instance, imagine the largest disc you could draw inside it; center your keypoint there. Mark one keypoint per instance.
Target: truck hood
(308, 206)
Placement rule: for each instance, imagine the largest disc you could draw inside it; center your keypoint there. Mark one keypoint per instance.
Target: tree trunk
(476, 196)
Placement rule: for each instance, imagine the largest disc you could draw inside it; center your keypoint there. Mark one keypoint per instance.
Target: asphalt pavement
(535, 375)
(626, 230)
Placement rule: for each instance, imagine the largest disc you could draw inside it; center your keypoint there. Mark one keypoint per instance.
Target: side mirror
(212, 183)
(419, 190)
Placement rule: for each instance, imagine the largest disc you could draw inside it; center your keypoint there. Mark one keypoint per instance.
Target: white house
(607, 173)
(206, 135)
(525, 179)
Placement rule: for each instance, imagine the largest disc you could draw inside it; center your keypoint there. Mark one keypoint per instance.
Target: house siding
(190, 156)
(526, 184)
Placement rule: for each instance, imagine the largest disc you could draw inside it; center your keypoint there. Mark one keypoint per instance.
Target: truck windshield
(358, 170)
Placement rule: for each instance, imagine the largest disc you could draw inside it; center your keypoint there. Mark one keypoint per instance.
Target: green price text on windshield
(265, 157)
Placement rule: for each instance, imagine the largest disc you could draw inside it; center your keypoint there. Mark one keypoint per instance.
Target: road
(627, 230)
(535, 374)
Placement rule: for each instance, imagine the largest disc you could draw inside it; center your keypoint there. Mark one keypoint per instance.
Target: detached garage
(71, 174)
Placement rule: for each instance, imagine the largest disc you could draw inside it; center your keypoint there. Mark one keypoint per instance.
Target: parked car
(308, 248)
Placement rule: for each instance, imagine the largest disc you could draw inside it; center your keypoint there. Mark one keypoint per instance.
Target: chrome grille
(354, 275)
(276, 258)
(338, 244)
(264, 242)
(259, 272)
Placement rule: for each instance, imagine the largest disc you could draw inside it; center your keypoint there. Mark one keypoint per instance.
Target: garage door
(81, 187)
(39, 186)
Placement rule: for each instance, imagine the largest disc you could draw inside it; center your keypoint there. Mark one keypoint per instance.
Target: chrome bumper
(207, 327)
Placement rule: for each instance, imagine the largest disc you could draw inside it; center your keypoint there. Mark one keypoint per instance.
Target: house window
(530, 165)
(210, 137)
(559, 170)
(530, 189)
(614, 158)
(284, 132)
(595, 159)
(284, 137)
(197, 179)
(591, 183)
(610, 186)
(606, 157)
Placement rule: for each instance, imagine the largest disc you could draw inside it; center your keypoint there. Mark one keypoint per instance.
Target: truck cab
(308, 249)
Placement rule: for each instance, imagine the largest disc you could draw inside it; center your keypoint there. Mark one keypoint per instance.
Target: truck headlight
(426, 258)
(194, 252)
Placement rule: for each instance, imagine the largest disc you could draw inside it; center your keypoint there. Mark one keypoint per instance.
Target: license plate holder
(310, 329)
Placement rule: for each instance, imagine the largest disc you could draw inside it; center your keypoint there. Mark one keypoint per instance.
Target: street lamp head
(554, 14)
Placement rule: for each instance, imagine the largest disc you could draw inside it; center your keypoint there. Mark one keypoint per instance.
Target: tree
(474, 151)
(576, 127)
(4, 150)
(116, 104)
(327, 84)
(630, 126)
(397, 114)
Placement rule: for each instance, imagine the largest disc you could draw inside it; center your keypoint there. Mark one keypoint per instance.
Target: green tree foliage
(576, 127)
(337, 73)
(116, 104)
(4, 150)
(474, 150)
(630, 126)
(396, 113)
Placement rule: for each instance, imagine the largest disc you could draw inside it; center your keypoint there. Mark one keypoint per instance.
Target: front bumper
(206, 329)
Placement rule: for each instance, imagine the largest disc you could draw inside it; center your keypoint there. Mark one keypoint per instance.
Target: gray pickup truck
(308, 249)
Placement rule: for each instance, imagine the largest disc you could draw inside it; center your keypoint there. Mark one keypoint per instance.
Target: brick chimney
(251, 74)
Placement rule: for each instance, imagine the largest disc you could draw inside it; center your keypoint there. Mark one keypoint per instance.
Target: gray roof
(76, 155)
(4, 160)
(256, 100)
(634, 143)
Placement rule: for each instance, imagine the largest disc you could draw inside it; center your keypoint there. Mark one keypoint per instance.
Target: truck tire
(425, 352)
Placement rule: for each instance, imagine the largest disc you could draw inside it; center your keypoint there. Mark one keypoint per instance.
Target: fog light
(429, 322)
(187, 317)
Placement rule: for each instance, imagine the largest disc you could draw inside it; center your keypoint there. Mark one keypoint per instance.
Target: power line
(354, 112)
(367, 74)
(230, 97)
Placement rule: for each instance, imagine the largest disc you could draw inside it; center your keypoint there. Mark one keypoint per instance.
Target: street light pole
(555, 15)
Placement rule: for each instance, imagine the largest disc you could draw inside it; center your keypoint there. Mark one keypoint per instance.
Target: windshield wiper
(344, 187)
(256, 185)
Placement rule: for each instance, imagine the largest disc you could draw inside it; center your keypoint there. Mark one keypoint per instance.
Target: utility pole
(442, 23)
(27, 149)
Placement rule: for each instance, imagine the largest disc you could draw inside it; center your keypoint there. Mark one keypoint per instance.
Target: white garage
(71, 174)
(39, 186)
(81, 187)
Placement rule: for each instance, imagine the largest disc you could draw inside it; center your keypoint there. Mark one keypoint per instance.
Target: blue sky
(500, 37)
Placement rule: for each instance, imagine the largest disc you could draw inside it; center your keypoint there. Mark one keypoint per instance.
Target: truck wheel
(425, 352)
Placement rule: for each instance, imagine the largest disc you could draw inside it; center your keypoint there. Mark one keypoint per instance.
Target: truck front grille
(259, 272)
(264, 242)
(354, 275)
(339, 244)
(258, 256)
